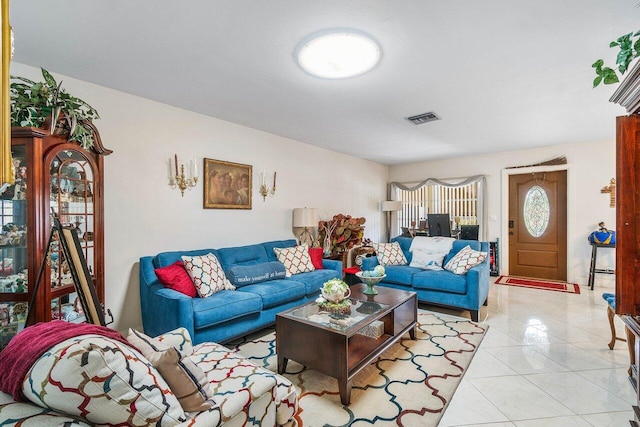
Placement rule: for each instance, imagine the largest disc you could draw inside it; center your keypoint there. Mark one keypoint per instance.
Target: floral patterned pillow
(465, 260)
(389, 254)
(103, 381)
(207, 274)
(296, 260)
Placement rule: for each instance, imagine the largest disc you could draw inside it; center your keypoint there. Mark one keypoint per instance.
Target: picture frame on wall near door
(227, 185)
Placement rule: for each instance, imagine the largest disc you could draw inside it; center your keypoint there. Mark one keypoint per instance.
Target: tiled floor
(545, 362)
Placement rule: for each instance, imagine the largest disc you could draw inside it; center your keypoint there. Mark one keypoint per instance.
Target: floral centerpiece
(335, 297)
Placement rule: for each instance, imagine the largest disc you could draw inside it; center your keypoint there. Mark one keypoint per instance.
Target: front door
(538, 225)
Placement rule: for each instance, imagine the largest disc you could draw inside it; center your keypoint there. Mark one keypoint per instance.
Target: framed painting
(227, 185)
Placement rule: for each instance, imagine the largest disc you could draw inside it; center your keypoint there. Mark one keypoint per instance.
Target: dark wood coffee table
(337, 347)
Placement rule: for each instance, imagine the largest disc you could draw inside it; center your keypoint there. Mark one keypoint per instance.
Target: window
(461, 199)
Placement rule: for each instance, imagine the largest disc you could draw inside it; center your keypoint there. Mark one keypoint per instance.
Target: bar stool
(593, 270)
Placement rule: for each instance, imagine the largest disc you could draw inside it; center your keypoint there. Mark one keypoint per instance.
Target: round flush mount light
(339, 54)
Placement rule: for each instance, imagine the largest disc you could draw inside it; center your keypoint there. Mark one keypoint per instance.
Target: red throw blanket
(26, 348)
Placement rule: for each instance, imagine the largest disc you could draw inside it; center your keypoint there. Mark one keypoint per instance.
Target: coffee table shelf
(340, 351)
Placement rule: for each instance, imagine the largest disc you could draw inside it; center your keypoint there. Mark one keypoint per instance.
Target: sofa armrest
(331, 264)
(163, 309)
(478, 282)
(369, 263)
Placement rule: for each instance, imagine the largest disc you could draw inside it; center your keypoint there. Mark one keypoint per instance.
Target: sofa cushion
(175, 277)
(314, 280)
(316, 257)
(296, 260)
(442, 280)
(276, 292)
(465, 260)
(390, 254)
(242, 275)
(268, 246)
(242, 255)
(207, 274)
(224, 306)
(164, 259)
(103, 381)
(187, 381)
(458, 245)
(400, 274)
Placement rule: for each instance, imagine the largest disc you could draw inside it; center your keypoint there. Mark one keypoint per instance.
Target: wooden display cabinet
(52, 174)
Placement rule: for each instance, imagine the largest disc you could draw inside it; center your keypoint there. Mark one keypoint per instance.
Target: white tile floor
(545, 362)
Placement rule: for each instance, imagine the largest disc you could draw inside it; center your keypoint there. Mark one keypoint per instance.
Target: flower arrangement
(334, 299)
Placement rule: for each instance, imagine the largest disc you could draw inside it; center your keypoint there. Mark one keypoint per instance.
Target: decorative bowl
(370, 281)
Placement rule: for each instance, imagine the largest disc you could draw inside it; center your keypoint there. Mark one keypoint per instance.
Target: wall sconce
(180, 180)
(306, 218)
(388, 207)
(264, 190)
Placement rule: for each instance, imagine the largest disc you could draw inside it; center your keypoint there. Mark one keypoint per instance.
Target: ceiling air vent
(423, 118)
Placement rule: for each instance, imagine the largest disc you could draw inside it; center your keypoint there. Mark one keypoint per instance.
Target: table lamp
(388, 207)
(306, 218)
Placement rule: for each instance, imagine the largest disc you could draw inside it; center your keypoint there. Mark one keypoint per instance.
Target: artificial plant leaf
(597, 81)
(610, 76)
(48, 78)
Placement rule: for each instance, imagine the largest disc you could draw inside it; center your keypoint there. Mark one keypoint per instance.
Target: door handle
(511, 233)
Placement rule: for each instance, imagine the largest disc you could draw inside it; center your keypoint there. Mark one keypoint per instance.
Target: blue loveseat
(468, 291)
(227, 314)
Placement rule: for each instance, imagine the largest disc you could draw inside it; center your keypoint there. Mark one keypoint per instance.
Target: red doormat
(548, 285)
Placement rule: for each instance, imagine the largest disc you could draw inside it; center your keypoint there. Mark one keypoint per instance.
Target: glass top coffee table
(341, 346)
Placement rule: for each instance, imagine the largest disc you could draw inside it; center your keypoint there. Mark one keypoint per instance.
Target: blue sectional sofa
(227, 314)
(468, 291)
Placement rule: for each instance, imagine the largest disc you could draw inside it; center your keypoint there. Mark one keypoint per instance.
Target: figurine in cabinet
(5, 316)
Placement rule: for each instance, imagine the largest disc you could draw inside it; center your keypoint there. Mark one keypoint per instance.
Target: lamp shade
(305, 217)
(391, 206)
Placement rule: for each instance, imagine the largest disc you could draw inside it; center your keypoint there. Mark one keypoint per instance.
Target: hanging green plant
(629, 45)
(46, 104)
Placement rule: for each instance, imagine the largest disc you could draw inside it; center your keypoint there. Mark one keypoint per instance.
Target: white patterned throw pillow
(296, 259)
(465, 260)
(389, 254)
(207, 274)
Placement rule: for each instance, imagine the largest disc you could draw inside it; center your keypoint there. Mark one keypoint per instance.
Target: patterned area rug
(410, 385)
(548, 285)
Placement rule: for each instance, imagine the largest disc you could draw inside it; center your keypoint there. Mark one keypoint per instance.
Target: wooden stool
(631, 339)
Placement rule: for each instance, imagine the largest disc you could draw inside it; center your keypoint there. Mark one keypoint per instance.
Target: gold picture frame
(227, 185)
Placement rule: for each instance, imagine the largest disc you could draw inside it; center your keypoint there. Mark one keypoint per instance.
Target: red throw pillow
(316, 257)
(175, 277)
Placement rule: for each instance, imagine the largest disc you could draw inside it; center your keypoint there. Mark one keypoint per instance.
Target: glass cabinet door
(71, 197)
(14, 285)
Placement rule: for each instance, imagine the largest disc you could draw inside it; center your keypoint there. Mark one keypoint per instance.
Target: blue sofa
(445, 288)
(227, 314)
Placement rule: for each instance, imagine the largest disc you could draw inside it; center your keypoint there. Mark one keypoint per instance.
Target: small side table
(593, 270)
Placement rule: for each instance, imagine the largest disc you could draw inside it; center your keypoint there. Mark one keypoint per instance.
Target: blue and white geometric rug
(409, 385)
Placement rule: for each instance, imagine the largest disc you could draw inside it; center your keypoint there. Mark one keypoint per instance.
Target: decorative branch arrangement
(340, 234)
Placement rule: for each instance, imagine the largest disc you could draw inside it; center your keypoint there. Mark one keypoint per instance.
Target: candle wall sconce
(264, 189)
(180, 180)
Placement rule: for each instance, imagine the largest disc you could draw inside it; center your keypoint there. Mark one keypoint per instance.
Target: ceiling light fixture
(339, 54)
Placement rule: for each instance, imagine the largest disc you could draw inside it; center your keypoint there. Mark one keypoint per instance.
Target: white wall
(591, 167)
(144, 216)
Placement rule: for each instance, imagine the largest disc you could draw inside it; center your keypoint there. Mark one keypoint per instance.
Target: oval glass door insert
(536, 211)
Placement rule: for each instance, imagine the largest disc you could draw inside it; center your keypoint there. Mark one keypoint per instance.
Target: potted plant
(47, 105)
(629, 45)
